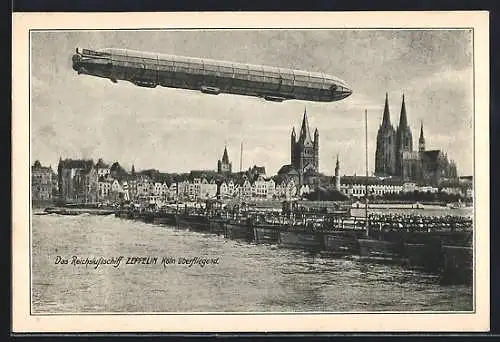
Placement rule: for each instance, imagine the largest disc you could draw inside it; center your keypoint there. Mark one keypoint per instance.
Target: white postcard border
(23, 321)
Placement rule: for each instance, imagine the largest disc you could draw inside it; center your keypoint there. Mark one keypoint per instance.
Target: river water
(240, 277)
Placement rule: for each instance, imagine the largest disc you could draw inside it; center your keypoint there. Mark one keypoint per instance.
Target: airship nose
(345, 91)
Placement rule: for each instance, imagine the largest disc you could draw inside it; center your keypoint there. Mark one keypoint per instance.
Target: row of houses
(203, 188)
(355, 187)
(84, 181)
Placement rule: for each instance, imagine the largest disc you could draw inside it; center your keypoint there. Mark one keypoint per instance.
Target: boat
(216, 225)
(341, 242)
(239, 230)
(196, 222)
(458, 265)
(266, 233)
(426, 257)
(167, 218)
(300, 239)
(380, 250)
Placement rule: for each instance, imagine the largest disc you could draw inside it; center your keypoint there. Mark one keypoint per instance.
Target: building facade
(78, 181)
(42, 184)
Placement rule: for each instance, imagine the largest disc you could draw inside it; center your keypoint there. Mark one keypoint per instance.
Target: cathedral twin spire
(403, 121)
(386, 119)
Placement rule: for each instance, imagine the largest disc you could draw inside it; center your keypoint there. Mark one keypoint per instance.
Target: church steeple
(305, 134)
(421, 140)
(404, 142)
(225, 158)
(386, 120)
(403, 121)
(223, 165)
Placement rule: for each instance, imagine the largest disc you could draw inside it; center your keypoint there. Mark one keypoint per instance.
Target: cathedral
(304, 155)
(395, 156)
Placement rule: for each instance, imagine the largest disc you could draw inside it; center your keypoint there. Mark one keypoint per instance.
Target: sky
(175, 130)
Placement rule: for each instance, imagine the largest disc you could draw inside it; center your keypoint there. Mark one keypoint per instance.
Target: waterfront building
(355, 186)
(271, 186)
(116, 190)
(223, 190)
(143, 186)
(42, 184)
(304, 190)
(132, 187)
(286, 189)
(157, 189)
(172, 191)
(231, 187)
(246, 188)
(102, 168)
(263, 188)
(104, 188)
(208, 189)
(126, 194)
(260, 187)
(77, 180)
(396, 157)
(183, 189)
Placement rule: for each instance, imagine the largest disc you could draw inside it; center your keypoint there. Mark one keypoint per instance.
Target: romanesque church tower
(305, 150)
(385, 155)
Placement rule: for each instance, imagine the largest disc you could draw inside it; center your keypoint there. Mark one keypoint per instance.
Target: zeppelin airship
(147, 69)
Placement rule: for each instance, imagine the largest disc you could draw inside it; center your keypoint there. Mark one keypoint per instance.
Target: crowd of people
(415, 221)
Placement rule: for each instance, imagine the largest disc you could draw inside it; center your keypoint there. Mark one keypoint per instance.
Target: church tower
(385, 155)
(421, 140)
(224, 166)
(404, 139)
(293, 142)
(305, 150)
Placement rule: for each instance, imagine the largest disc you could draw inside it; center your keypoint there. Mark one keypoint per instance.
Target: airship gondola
(214, 77)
